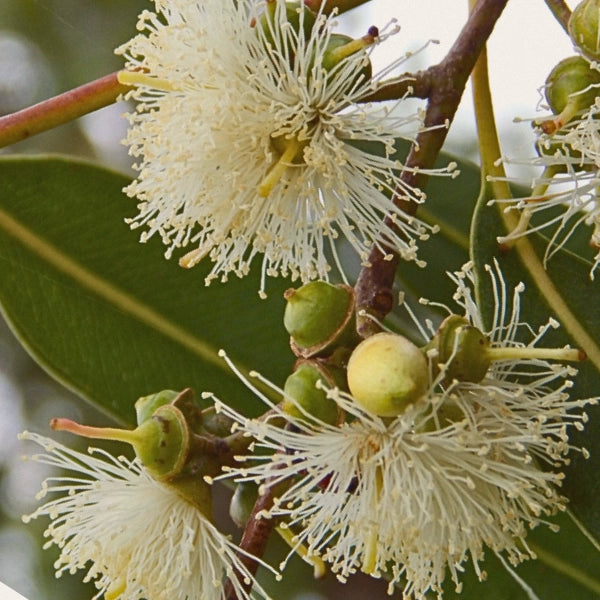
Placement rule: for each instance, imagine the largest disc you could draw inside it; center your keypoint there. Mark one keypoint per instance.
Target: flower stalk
(60, 109)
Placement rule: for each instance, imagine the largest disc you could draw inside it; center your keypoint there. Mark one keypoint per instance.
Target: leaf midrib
(115, 296)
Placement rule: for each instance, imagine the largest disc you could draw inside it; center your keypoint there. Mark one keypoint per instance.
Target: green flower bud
(341, 46)
(566, 83)
(569, 90)
(462, 350)
(242, 502)
(319, 317)
(146, 405)
(297, 15)
(583, 28)
(386, 373)
(301, 385)
(161, 442)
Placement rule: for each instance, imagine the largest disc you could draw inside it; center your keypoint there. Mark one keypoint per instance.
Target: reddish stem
(60, 109)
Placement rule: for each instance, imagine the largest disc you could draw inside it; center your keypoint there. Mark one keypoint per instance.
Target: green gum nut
(320, 317)
(583, 28)
(301, 390)
(146, 405)
(461, 349)
(242, 502)
(296, 14)
(162, 442)
(566, 81)
(387, 373)
(339, 48)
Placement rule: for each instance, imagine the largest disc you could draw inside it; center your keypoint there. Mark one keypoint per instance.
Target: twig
(374, 288)
(60, 109)
(255, 538)
(561, 12)
(411, 85)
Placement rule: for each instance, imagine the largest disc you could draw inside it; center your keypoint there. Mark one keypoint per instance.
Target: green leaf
(565, 292)
(567, 567)
(110, 317)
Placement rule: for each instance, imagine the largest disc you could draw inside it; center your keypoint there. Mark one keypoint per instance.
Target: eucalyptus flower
(565, 194)
(251, 139)
(137, 537)
(468, 465)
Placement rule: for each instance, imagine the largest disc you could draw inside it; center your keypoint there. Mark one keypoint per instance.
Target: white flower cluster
(137, 538)
(252, 140)
(469, 466)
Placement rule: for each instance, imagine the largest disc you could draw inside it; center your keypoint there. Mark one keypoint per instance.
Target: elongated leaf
(109, 317)
(565, 292)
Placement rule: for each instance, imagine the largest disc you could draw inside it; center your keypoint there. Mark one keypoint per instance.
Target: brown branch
(411, 85)
(60, 109)
(255, 538)
(374, 288)
(561, 12)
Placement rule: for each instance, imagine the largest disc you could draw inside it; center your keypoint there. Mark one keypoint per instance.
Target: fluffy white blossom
(247, 145)
(565, 194)
(137, 537)
(415, 497)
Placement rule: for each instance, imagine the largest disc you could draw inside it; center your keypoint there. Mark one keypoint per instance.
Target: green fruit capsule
(584, 28)
(566, 85)
(319, 317)
(462, 350)
(296, 14)
(303, 394)
(146, 405)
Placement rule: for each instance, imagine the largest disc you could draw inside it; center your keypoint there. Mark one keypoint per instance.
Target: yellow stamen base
(136, 78)
(339, 54)
(318, 565)
(278, 169)
(115, 590)
(369, 565)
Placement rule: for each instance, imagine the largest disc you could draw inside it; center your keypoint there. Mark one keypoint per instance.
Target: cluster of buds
(564, 195)
(176, 442)
(386, 372)
(572, 85)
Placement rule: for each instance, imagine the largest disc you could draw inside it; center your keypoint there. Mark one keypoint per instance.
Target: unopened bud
(583, 28)
(276, 16)
(242, 502)
(319, 317)
(571, 87)
(161, 442)
(386, 373)
(304, 394)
